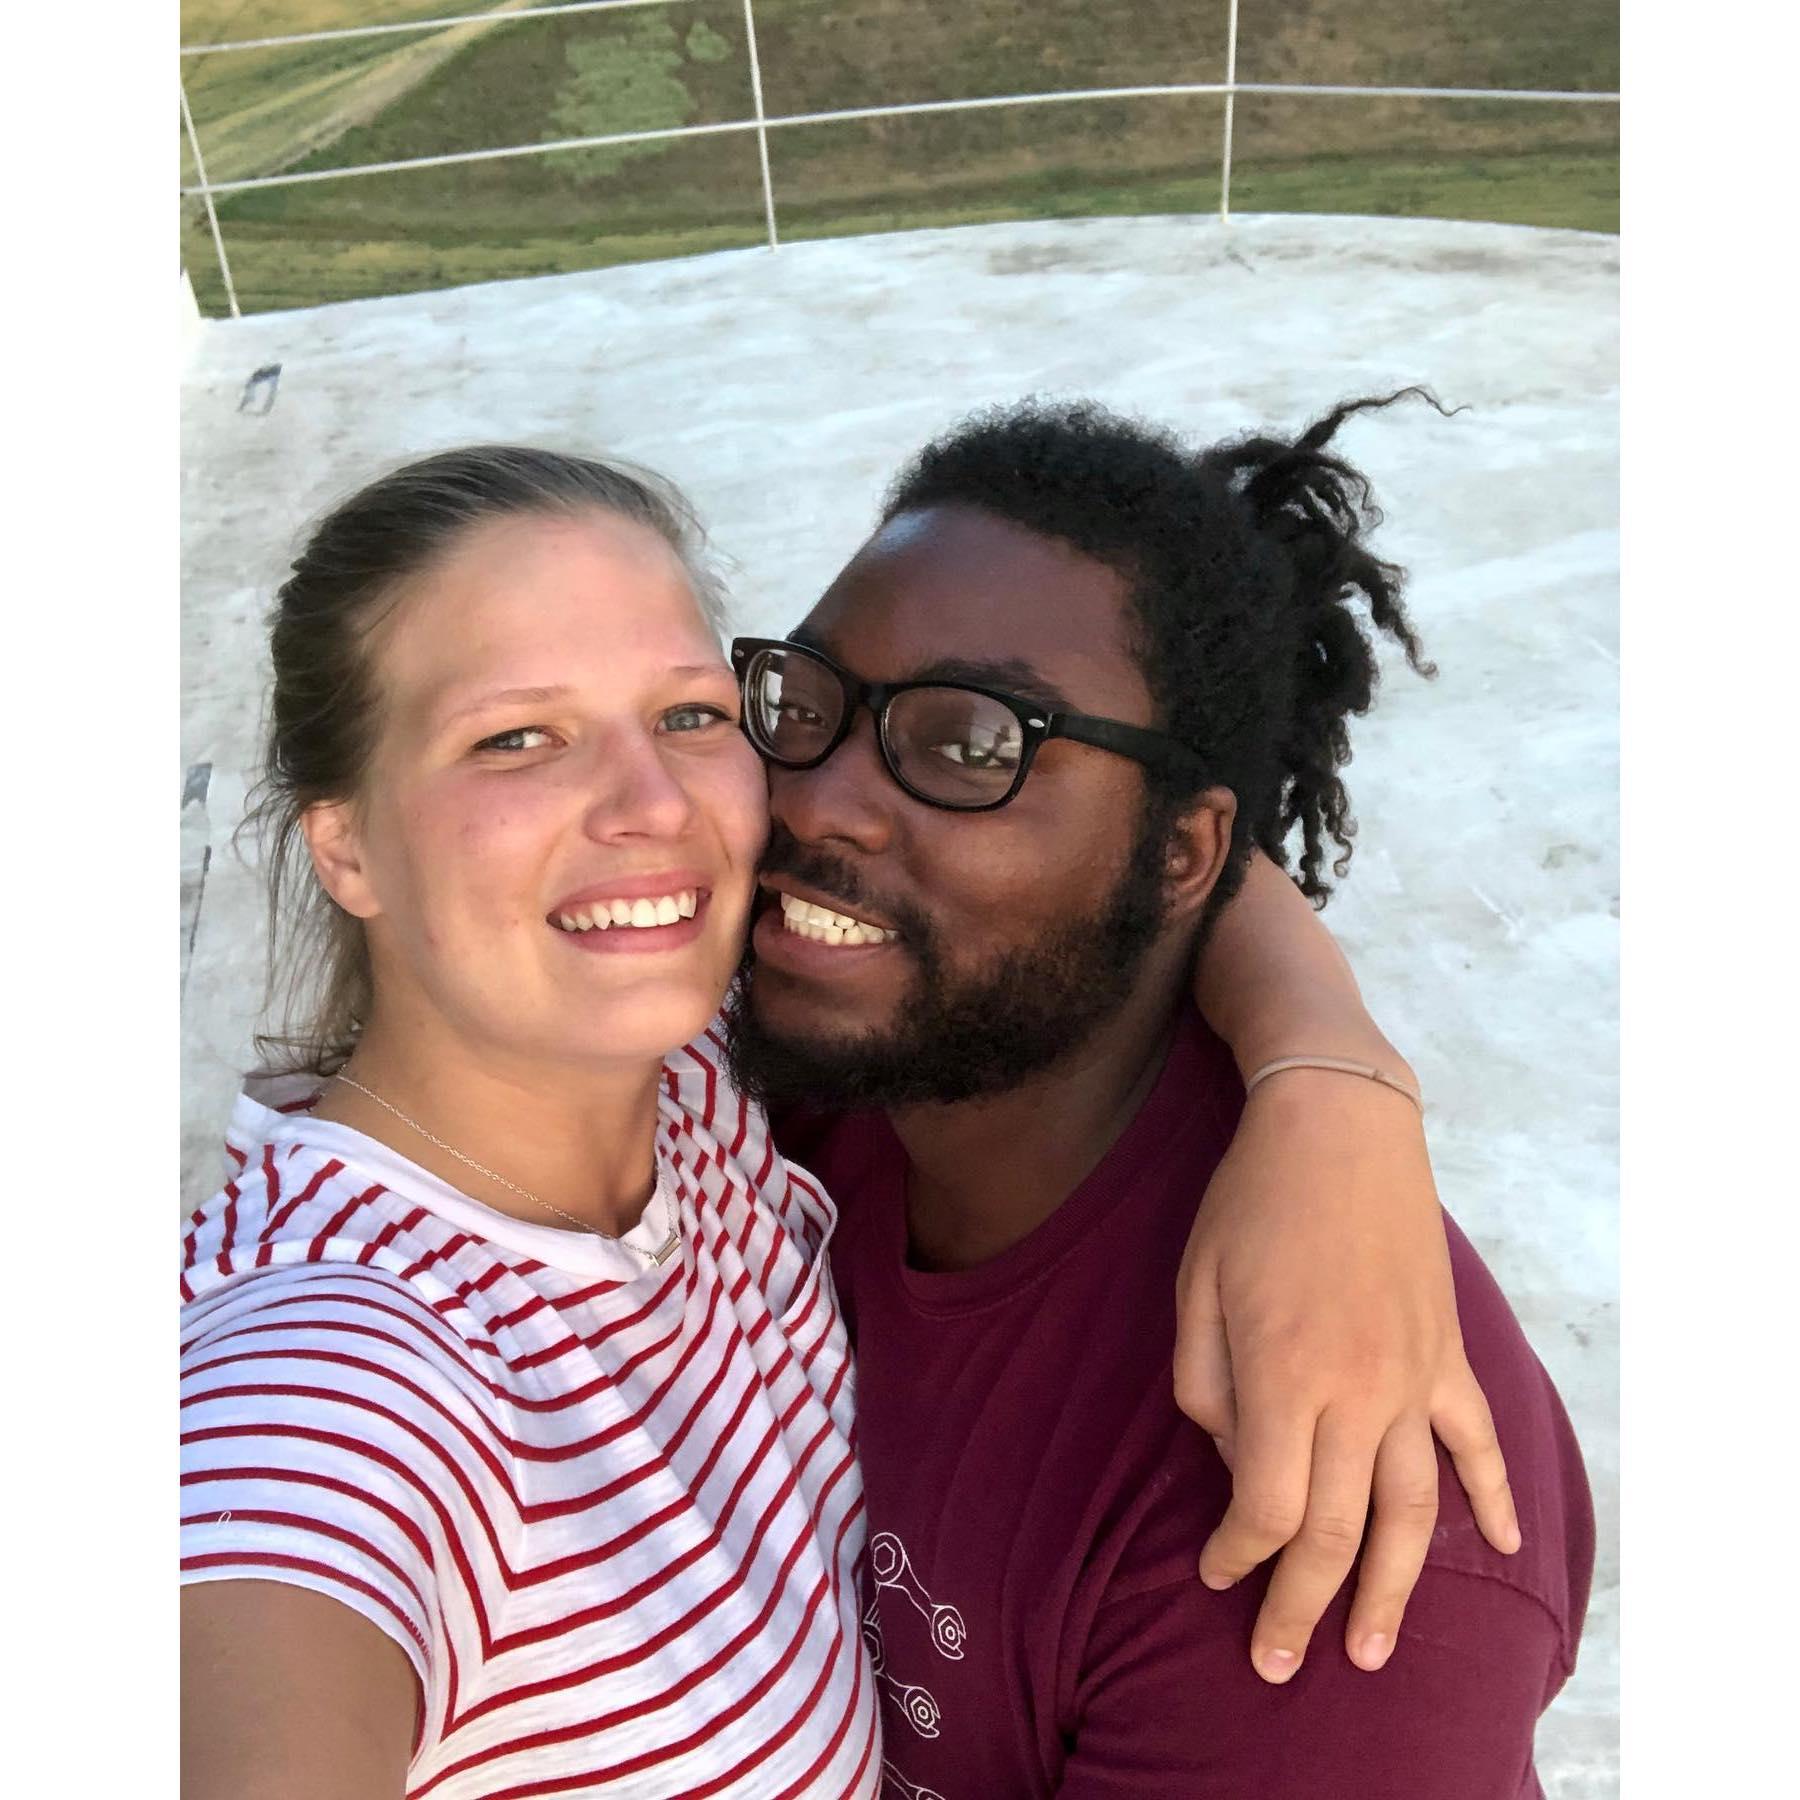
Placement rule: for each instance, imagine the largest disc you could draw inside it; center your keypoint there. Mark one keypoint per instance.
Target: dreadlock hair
(1240, 561)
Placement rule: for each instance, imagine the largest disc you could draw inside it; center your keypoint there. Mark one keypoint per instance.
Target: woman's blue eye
(525, 737)
(694, 718)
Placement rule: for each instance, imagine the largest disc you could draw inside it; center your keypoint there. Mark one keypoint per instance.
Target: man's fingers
(1405, 1506)
(1313, 1567)
(1271, 1467)
(1461, 1418)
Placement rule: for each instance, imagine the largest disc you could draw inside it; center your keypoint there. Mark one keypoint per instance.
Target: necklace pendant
(667, 1247)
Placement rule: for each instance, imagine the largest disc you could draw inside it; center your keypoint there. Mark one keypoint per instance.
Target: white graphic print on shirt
(892, 1570)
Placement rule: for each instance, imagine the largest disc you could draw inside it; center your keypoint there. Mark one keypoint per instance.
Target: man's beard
(957, 1037)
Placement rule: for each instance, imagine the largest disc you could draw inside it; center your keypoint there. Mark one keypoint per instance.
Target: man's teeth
(824, 926)
(603, 915)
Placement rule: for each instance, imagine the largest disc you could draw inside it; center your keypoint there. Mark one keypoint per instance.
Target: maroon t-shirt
(1037, 1506)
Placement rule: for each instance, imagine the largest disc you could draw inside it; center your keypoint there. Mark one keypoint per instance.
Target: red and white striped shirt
(611, 1512)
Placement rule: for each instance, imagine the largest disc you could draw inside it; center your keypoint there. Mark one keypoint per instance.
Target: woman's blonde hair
(324, 707)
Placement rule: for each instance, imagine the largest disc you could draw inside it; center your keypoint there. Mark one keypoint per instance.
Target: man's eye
(525, 737)
(796, 714)
(993, 753)
(694, 718)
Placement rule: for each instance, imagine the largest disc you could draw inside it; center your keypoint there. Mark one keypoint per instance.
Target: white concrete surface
(781, 389)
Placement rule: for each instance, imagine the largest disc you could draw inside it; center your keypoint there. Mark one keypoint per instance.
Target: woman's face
(555, 845)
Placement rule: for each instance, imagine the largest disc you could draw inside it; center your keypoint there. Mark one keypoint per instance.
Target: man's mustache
(784, 854)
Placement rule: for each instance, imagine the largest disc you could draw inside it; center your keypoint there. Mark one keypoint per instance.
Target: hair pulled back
(1241, 562)
(324, 708)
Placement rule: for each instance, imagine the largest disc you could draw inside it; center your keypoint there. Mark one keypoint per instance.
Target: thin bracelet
(1342, 1065)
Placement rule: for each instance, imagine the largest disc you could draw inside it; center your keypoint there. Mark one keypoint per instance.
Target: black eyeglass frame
(1037, 725)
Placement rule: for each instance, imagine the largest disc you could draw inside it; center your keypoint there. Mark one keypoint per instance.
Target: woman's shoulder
(284, 1198)
(305, 1283)
(312, 1200)
(298, 1260)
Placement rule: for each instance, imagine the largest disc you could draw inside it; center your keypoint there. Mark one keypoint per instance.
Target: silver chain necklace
(657, 1257)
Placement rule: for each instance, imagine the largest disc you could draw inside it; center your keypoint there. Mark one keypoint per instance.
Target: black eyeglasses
(947, 743)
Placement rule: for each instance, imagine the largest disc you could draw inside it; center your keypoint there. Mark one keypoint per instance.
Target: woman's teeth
(603, 915)
(824, 926)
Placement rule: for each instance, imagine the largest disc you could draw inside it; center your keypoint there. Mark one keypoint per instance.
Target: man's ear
(335, 844)
(1199, 842)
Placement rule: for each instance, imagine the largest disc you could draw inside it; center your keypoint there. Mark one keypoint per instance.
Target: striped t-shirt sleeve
(330, 1440)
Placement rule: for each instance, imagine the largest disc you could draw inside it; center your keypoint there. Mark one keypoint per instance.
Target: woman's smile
(635, 919)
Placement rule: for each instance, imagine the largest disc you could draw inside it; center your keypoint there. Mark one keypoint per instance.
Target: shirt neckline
(275, 1121)
(1195, 1077)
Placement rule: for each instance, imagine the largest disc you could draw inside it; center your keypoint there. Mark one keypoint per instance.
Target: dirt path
(400, 73)
(256, 140)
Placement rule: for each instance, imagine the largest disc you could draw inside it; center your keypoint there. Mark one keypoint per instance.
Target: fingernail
(1218, 1583)
(1512, 1540)
(1376, 1649)
(1277, 1665)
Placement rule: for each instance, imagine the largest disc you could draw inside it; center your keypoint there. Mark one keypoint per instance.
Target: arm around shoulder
(287, 1694)
(1318, 1338)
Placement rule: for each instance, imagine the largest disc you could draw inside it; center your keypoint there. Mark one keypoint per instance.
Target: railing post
(1230, 106)
(212, 218)
(762, 132)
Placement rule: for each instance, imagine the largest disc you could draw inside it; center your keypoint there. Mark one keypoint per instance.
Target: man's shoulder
(1543, 1460)
(1169, 1487)
(1164, 1486)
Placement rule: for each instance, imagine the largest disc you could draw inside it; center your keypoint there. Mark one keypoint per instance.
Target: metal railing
(762, 123)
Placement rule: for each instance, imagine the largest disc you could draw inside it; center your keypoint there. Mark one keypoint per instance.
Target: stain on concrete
(1037, 259)
(1559, 854)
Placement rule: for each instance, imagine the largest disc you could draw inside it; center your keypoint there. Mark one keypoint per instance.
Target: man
(1021, 753)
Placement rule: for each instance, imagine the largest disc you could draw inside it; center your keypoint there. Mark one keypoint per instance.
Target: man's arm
(289, 1695)
(1318, 1339)
(1168, 1706)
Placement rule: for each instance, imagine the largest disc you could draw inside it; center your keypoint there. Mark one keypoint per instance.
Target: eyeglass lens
(950, 745)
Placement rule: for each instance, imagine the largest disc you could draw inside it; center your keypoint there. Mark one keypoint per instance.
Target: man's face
(1018, 930)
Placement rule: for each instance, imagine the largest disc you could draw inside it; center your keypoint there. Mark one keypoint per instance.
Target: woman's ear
(1199, 842)
(335, 844)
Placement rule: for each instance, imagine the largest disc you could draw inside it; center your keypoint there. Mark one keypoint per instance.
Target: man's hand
(1318, 1343)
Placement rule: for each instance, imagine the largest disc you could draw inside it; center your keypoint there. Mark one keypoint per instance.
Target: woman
(518, 1450)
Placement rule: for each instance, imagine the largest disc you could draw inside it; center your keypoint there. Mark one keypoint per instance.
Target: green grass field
(647, 68)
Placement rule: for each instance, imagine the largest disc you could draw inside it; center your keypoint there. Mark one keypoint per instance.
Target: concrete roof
(782, 389)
